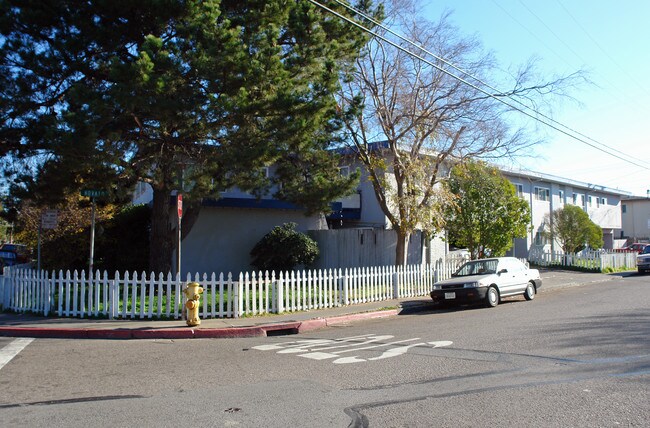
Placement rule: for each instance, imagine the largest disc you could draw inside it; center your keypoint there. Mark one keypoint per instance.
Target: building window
(344, 171)
(560, 193)
(589, 200)
(579, 199)
(519, 188)
(540, 239)
(542, 194)
(624, 208)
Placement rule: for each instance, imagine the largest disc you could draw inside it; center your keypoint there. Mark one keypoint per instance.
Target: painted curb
(292, 327)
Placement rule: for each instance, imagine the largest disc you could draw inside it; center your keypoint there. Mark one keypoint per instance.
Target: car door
(512, 281)
(520, 272)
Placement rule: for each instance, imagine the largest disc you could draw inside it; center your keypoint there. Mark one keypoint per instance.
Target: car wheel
(529, 294)
(492, 297)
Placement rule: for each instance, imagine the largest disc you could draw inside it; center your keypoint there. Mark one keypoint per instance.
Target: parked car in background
(22, 253)
(636, 247)
(643, 260)
(488, 281)
(7, 258)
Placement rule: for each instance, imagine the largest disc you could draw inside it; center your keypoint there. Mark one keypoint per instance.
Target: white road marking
(284, 345)
(10, 351)
(313, 349)
(441, 343)
(343, 343)
(393, 352)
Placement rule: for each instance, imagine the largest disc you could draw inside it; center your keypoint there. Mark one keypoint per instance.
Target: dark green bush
(284, 248)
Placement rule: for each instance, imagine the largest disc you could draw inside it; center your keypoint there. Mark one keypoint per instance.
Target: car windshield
(7, 254)
(646, 250)
(477, 267)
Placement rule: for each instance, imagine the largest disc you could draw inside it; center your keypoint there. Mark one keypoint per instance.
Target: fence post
(395, 277)
(238, 298)
(47, 294)
(3, 288)
(111, 299)
(279, 287)
(345, 289)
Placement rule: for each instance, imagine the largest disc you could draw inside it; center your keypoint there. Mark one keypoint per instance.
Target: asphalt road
(577, 357)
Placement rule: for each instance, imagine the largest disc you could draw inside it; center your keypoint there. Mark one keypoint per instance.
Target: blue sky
(611, 42)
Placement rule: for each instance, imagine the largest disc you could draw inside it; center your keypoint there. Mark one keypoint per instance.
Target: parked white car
(488, 281)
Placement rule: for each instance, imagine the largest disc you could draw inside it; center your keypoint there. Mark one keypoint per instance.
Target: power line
(497, 97)
(566, 62)
(574, 53)
(603, 50)
(539, 114)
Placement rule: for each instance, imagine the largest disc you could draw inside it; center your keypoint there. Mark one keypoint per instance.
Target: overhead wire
(614, 94)
(497, 97)
(603, 50)
(379, 24)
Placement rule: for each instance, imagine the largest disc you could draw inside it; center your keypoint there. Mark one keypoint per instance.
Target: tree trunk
(401, 247)
(162, 234)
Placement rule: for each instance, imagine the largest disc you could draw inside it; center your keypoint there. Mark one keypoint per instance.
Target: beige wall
(636, 218)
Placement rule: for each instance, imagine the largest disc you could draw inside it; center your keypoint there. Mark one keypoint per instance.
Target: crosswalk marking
(12, 349)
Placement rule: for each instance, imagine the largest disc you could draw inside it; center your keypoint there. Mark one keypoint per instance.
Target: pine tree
(184, 95)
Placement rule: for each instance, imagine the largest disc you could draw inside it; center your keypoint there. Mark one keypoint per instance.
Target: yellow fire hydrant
(193, 294)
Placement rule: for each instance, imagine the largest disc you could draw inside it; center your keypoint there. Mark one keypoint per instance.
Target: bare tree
(425, 118)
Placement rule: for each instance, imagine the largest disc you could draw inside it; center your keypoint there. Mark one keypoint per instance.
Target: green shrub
(284, 248)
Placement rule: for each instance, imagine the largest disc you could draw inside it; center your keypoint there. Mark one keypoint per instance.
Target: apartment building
(635, 213)
(546, 193)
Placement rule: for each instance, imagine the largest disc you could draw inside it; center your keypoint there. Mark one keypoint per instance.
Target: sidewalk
(27, 325)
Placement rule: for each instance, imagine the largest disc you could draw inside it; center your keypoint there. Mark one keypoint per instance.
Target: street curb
(292, 327)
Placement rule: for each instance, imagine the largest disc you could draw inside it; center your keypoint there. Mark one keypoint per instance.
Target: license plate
(450, 295)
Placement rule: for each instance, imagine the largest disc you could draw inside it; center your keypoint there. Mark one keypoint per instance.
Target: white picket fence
(594, 260)
(158, 296)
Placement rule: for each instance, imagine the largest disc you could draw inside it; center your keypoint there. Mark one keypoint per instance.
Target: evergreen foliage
(195, 96)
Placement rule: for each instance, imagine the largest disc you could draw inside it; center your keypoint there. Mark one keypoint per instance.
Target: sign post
(49, 220)
(179, 206)
(92, 193)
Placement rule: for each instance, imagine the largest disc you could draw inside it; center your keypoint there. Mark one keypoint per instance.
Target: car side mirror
(503, 271)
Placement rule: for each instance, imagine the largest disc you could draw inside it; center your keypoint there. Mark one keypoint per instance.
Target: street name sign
(93, 193)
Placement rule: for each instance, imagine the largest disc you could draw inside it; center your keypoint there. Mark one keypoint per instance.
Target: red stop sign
(179, 205)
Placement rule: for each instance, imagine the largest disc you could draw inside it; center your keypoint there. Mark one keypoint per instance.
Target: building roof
(539, 176)
(529, 175)
(636, 199)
